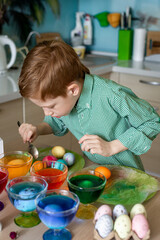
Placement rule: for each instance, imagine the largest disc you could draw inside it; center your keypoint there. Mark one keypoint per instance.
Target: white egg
(119, 210)
(0, 226)
(102, 210)
(104, 225)
(138, 209)
(122, 226)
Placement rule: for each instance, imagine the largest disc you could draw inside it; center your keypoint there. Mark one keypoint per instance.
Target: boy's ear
(73, 89)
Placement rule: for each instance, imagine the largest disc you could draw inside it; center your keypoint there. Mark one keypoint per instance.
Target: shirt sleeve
(143, 121)
(57, 125)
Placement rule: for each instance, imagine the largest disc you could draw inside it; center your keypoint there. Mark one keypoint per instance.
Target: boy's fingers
(87, 137)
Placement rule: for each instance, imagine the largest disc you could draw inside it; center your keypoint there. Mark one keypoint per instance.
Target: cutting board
(153, 43)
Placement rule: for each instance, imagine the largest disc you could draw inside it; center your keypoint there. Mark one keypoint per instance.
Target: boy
(110, 122)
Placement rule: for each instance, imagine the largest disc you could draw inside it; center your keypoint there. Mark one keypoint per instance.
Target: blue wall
(64, 24)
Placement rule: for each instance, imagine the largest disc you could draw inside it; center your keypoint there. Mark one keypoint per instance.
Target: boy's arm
(44, 129)
(58, 127)
(143, 120)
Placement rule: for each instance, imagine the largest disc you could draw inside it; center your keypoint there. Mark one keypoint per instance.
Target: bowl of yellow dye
(17, 163)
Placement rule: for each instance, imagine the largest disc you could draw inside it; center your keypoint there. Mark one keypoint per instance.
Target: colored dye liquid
(19, 165)
(86, 190)
(3, 180)
(54, 177)
(53, 214)
(26, 194)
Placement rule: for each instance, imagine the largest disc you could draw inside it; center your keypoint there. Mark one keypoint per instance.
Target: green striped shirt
(111, 111)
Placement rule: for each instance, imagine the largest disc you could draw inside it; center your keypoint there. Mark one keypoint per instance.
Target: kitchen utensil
(114, 19)
(125, 42)
(4, 40)
(31, 148)
(102, 18)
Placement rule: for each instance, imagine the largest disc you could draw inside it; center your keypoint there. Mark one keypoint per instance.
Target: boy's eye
(52, 106)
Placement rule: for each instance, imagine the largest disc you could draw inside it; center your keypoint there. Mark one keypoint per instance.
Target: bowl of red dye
(55, 173)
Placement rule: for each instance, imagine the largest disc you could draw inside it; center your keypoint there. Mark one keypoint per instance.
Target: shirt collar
(85, 97)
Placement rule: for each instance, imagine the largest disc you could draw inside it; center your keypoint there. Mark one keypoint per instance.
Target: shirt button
(82, 115)
(87, 105)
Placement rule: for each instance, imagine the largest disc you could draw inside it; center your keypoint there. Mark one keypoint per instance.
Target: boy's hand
(28, 132)
(95, 144)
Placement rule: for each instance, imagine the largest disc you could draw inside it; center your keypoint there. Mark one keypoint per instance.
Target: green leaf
(54, 4)
(38, 14)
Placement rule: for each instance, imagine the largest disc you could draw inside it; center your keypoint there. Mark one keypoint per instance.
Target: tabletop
(80, 229)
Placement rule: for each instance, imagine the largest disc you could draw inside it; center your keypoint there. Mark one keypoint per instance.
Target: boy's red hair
(48, 69)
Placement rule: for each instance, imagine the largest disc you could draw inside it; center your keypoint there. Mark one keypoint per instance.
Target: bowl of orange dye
(17, 163)
(55, 173)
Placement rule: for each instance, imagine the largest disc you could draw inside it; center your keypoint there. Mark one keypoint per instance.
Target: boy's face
(59, 106)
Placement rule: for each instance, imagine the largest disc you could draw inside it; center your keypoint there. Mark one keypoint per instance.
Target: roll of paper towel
(139, 44)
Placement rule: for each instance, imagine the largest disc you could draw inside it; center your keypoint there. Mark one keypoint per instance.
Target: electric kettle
(4, 40)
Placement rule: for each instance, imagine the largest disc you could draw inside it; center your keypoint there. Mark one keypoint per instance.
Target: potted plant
(23, 14)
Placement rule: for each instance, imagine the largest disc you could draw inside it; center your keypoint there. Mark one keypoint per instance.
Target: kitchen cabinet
(147, 88)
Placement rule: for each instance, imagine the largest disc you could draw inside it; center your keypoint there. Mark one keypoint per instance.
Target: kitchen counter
(97, 64)
(145, 68)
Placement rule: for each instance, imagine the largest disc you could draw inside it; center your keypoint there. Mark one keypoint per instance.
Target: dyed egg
(140, 225)
(104, 170)
(119, 210)
(16, 162)
(103, 210)
(38, 165)
(86, 184)
(24, 205)
(53, 208)
(58, 165)
(58, 151)
(27, 204)
(138, 209)
(69, 158)
(49, 159)
(122, 226)
(104, 225)
(62, 161)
